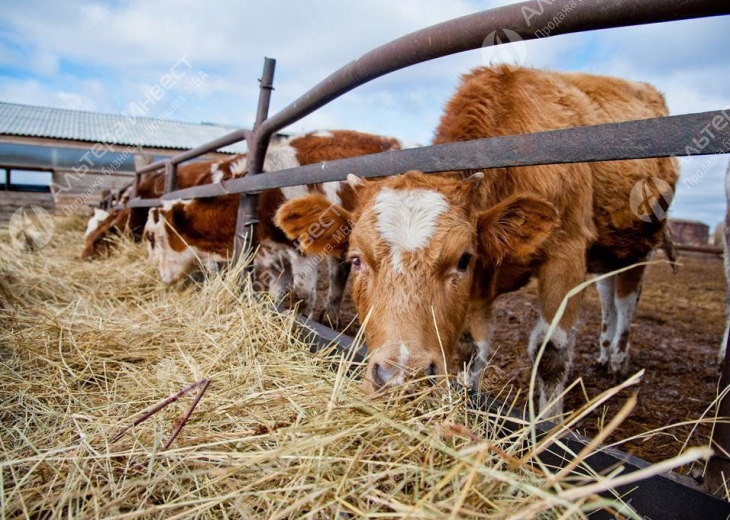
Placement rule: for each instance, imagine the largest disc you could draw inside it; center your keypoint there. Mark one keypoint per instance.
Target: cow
(726, 246)
(97, 218)
(186, 232)
(431, 254)
(133, 219)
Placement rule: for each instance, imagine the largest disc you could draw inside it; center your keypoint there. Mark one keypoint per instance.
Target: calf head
(150, 235)
(166, 244)
(420, 247)
(97, 218)
(99, 240)
(182, 236)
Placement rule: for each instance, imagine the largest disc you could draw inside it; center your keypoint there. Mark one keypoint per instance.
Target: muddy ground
(676, 333)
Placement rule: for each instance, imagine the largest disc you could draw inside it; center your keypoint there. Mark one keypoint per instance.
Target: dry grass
(85, 348)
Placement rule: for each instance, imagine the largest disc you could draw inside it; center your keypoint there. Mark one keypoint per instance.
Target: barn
(56, 158)
(690, 232)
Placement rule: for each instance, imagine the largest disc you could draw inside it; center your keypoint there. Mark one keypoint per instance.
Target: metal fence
(662, 137)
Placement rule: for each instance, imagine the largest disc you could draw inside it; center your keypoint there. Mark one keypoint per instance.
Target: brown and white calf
(186, 232)
(116, 222)
(431, 254)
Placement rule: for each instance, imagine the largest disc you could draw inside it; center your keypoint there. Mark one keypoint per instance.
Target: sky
(102, 56)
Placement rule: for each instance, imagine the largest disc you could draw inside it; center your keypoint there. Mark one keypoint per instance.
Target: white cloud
(31, 92)
(102, 56)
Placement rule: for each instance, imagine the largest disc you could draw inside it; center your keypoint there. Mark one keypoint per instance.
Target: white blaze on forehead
(407, 219)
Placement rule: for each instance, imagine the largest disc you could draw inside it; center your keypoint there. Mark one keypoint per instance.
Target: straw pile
(88, 347)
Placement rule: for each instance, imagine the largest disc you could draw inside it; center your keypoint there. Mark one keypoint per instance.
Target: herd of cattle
(430, 254)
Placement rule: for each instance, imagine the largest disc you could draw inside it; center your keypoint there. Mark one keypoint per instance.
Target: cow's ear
(316, 223)
(516, 228)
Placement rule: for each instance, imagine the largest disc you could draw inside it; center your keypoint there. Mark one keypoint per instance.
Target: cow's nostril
(431, 373)
(378, 378)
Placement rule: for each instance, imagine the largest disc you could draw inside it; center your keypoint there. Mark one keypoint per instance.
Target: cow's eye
(356, 262)
(464, 262)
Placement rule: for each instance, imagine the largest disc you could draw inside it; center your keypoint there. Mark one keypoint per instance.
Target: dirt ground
(675, 337)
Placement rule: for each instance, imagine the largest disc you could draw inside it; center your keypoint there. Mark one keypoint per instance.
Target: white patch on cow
(97, 218)
(168, 204)
(304, 271)
(559, 337)
(273, 266)
(407, 219)
(607, 294)
(151, 228)
(619, 350)
(403, 355)
(332, 192)
(281, 157)
(215, 174)
(323, 133)
(238, 166)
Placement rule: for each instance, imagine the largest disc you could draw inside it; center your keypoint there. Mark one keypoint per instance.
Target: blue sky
(102, 56)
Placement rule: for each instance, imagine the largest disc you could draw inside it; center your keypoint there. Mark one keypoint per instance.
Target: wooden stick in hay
(203, 384)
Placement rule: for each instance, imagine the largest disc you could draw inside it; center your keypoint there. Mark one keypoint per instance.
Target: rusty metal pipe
(226, 140)
(247, 216)
(659, 137)
(469, 32)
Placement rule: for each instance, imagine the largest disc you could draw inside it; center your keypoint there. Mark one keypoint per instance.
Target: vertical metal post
(170, 176)
(140, 161)
(248, 206)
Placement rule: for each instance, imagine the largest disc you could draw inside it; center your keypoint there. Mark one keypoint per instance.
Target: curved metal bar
(469, 32)
(660, 137)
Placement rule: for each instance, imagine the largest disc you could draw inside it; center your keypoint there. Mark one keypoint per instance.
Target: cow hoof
(619, 369)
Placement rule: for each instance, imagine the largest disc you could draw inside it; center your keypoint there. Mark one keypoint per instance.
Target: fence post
(140, 161)
(170, 176)
(248, 206)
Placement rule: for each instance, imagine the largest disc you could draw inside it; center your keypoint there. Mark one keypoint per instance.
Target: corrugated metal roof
(94, 127)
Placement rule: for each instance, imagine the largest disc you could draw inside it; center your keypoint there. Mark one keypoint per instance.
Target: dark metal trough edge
(669, 496)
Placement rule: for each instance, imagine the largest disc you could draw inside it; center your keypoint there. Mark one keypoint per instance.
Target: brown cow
(133, 219)
(185, 232)
(431, 254)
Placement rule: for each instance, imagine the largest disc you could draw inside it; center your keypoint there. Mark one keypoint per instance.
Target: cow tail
(670, 248)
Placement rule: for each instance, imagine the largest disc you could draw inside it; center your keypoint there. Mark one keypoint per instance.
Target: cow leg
(628, 290)
(607, 294)
(481, 328)
(726, 246)
(339, 272)
(304, 270)
(561, 272)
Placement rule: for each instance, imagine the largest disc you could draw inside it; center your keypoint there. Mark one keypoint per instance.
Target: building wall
(78, 186)
(12, 200)
(690, 233)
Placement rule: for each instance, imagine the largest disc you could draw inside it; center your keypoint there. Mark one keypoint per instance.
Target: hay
(88, 347)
